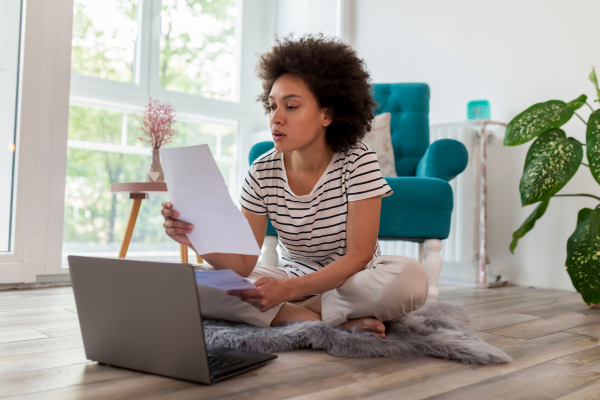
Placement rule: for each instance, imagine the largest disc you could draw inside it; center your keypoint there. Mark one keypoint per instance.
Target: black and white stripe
(312, 228)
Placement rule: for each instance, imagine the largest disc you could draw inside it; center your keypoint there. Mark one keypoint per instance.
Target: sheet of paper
(224, 279)
(198, 192)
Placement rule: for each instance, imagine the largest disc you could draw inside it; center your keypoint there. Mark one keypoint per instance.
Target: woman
(322, 189)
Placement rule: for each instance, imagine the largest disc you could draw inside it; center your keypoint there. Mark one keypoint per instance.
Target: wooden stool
(139, 191)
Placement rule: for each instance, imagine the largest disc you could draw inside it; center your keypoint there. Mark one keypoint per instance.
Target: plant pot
(155, 172)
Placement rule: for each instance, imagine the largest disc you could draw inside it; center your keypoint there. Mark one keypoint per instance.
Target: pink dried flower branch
(156, 123)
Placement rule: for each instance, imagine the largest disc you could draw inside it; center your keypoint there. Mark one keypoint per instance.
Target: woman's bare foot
(367, 324)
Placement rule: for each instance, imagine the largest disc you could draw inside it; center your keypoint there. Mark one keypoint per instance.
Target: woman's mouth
(278, 135)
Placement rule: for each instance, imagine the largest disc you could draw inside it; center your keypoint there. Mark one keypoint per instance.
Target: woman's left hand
(269, 293)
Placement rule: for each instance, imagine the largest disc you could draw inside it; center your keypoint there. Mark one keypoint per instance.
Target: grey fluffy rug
(438, 329)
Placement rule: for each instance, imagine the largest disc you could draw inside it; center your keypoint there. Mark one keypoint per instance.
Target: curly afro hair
(335, 75)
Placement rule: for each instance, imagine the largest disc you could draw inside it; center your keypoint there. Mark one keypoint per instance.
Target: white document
(224, 279)
(198, 193)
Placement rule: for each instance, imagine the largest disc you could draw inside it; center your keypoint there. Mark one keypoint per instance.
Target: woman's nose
(277, 117)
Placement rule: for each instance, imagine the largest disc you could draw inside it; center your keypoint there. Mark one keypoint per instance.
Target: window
(10, 28)
(197, 48)
(121, 56)
(105, 35)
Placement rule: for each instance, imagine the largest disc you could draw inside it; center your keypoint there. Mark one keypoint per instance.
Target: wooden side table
(139, 191)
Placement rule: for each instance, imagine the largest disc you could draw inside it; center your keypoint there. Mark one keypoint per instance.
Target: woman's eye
(292, 107)
(272, 108)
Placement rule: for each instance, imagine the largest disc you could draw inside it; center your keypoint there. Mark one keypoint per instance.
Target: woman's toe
(374, 326)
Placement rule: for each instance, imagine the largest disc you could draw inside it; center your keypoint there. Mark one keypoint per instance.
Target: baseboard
(35, 285)
(456, 282)
(53, 278)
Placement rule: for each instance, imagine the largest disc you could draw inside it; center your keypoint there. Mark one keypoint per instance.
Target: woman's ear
(328, 116)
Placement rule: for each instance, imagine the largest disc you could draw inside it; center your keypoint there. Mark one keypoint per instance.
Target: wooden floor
(552, 336)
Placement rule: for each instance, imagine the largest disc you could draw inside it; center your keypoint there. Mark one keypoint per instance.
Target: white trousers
(387, 288)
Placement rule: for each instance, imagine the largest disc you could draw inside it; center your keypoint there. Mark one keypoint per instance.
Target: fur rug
(438, 329)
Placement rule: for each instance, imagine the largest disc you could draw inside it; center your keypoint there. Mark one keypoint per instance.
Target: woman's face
(296, 119)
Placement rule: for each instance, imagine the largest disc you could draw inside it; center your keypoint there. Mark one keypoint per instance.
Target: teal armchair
(420, 209)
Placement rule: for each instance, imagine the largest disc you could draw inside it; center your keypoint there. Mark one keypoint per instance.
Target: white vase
(155, 172)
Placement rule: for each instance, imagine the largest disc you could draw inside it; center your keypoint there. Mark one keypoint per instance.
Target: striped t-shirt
(312, 227)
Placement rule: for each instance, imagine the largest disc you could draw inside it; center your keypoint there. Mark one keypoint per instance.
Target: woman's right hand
(175, 229)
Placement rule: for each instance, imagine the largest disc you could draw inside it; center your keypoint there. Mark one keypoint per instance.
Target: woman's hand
(269, 292)
(175, 229)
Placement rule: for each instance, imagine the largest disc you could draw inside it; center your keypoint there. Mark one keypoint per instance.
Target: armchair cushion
(380, 139)
(409, 105)
(420, 207)
(444, 159)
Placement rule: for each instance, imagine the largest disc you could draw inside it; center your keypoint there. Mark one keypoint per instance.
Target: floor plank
(57, 331)
(40, 323)
(497, 340)
(39, 346)
(588, 392)
(38, 307)
(20, 335)
(58, 377)
(30, 362)
(507, 305)
(138, 387)
(588, 360)
(9, 316)
(476, 292)
(490, 321)
(588, 330)
(544, 381)
(575, 304)
(545, 326)
(519, 296)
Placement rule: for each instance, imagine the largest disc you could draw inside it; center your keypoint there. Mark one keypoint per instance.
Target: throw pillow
(380, 139)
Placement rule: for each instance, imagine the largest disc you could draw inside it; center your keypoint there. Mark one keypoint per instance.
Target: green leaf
(583, 255)
(592, 138)
(551, 162)
(594, 80)
(578, 102)
(536, 120)
(528, 224)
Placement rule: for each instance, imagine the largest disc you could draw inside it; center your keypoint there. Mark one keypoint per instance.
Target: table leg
(183, 251)
(135, 209)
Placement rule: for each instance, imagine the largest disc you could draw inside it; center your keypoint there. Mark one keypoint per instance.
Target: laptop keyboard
(216, 363)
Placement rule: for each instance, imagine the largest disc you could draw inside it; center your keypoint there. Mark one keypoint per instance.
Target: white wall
(306, 16)
(513, 53)
(299, 17)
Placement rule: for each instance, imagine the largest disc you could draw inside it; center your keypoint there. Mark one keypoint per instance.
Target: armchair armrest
(444, 159)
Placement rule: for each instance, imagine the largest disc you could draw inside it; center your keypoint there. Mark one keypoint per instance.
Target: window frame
(146, 78)
(124, 148)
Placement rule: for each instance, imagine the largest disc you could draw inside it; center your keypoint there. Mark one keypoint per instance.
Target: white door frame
(41, 141)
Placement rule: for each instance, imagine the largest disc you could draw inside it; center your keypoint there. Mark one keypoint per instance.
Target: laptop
(145, 316)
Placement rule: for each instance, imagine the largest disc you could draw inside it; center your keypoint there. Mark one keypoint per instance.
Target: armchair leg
(421, 252)
(433, 265)
(270, 257)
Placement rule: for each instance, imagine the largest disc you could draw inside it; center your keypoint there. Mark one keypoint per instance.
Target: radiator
(460, 252)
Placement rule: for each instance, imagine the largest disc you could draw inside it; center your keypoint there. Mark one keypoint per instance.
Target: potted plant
(156, 129)
(551, 162)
